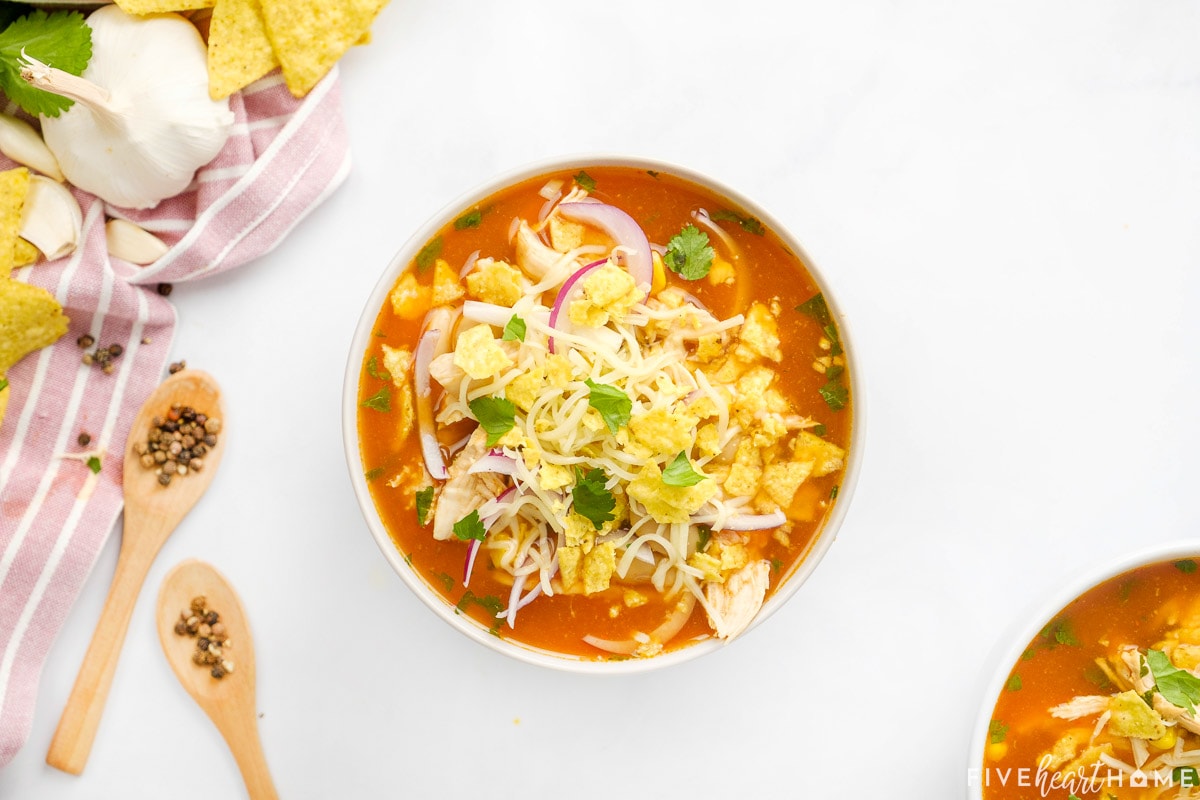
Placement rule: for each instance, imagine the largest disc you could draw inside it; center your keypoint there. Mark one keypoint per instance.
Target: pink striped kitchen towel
(282, 159)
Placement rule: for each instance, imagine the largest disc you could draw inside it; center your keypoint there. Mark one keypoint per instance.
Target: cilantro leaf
(1014, 683)
(613, 404)
(585, 181)
(816, 308)
(424, 503)
(590, 499)
(372, 474)
(997, 730)
(680, 473)
(1187, 566)
(489, 602)
(749, 224)
(514, 331)
(688, 253)
(61, 39)
(380, 401)
(703, 534)
(1179, 687)
(94, 464)
(375, 372)
(3, 384)
(446, 580)
(469, 220)
(428, 254)
(835, 395)
(495, 414)
(1184, 777)
(470, 527)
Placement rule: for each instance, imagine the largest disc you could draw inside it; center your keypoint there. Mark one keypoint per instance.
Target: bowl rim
(1016, 637)
(465, 625)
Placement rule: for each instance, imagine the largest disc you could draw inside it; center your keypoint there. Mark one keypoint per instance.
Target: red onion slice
(430, 449)
(564, 294)
(754, 522)
(469, 264)
(499, 464)
(622, 229)
(469, 567)
(488, 522)
(662, 634)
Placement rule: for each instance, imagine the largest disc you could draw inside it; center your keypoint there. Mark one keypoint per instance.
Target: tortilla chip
(30, 318)
(239, 51)
(3, 397)
(161, 6)
(24, 253)
(309, 36)
(14, 185)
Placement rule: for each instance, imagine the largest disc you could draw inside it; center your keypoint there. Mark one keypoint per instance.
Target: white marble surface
(1005, 198)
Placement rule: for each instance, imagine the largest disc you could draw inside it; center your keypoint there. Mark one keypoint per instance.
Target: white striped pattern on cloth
(282, 159)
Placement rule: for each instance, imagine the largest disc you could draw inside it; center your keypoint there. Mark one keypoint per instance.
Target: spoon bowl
(152, 512)
(228, 701)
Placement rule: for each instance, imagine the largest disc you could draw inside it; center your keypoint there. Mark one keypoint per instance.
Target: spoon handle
(241, 734)
(72, 742)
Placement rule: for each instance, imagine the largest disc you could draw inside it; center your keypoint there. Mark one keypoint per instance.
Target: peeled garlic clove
(132, 243)
(20, 142)
(51, 219)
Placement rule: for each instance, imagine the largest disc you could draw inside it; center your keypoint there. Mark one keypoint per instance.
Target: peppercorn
(203, 623)
(85, 341)
(177, 366)
(84, 439)
(115, 350)
(165, 289)
(164, 479)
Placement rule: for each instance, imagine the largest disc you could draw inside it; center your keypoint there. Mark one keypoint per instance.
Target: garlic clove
(51, 219)
(20, 142)
(134, 244)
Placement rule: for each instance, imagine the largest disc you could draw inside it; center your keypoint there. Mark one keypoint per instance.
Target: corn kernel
(1164, 742)
(659, 281)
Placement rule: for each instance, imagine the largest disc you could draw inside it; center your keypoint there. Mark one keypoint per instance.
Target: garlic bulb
(143, 122)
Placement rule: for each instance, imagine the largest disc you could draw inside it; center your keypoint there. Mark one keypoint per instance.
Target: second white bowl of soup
(602, 415)
(1097, 696)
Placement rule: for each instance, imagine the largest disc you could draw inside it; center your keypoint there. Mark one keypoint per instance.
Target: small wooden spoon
(228, 701)
(152, 512)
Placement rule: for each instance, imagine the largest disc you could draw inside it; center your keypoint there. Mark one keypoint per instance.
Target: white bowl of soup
(1098, 695)
(602, 414)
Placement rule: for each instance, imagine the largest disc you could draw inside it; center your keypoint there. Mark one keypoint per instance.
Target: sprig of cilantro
(680, 472)
(424, 503)
(3, 384)
(61, 39)
(612, 403)
(94, 464)
(689, 254)
(590, 499)
(470, 527)
(1179, 687)
(514, 331)
(495, 414)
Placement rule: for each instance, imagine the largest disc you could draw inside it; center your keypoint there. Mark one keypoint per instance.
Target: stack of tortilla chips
(30, 317)
(249, 38)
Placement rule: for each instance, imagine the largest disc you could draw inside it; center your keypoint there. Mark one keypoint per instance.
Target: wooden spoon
(228, 701)
(152, 512)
